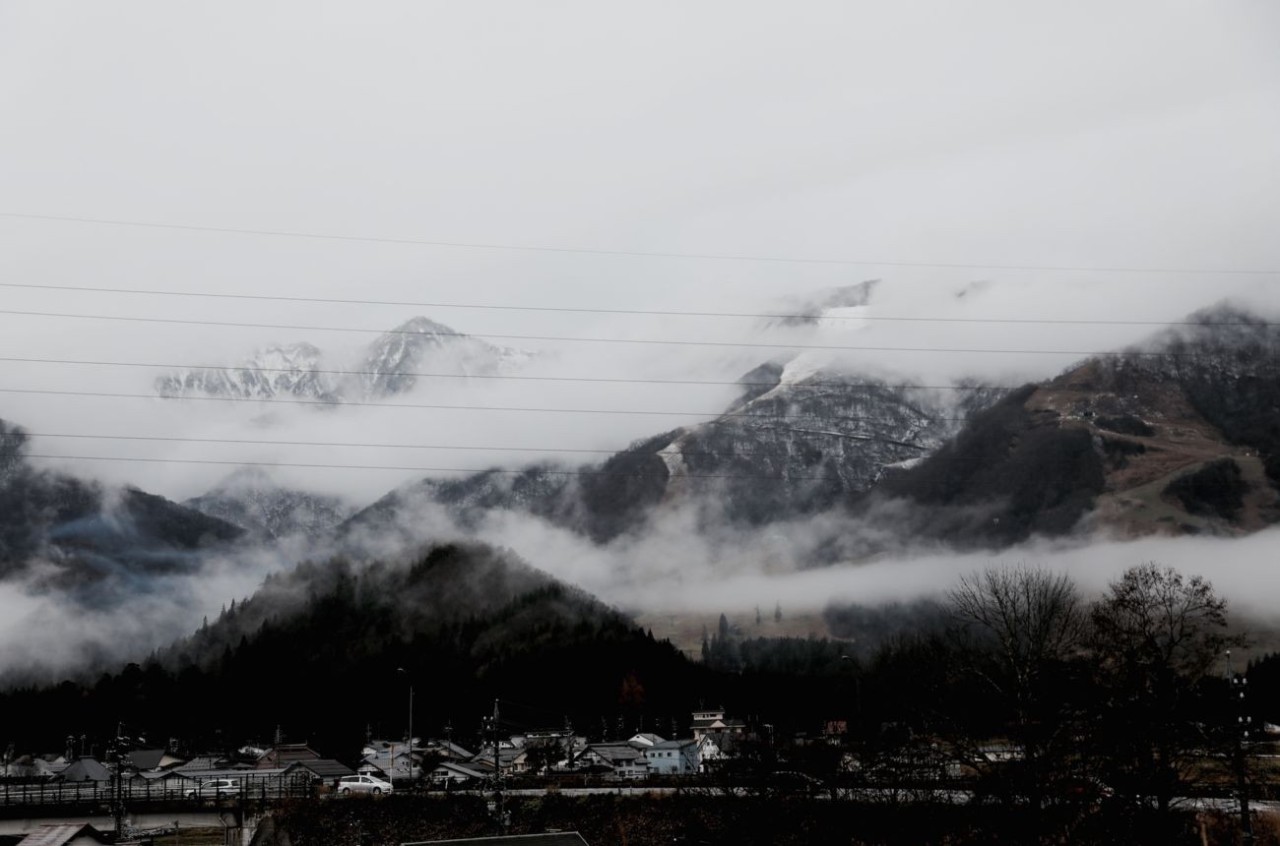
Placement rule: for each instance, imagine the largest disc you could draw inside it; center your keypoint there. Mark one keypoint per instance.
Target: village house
(448, 773)
(284, 754)
(150, 760)
(714, 750)
(673, 757)
(714, 722)
(644, 740)
(166, 782)
(33, 767)
(205, 763)
(447, 750)
(325, 771)
(620, 760)
(64, 834)
(511, 760)
(85, 769)
(391, 762)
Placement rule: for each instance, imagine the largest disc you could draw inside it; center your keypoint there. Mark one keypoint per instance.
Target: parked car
(363, 784)
(215, 788)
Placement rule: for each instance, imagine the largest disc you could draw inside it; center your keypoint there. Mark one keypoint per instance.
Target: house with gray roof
(284, 754)
(674, 757)
(448, 750)
(325, 770)
(85, 769)
(451, 772)
(64, 834)
(621, 759)
(510, 761)
(143, 760)
(645, 739)
(391, 763)
(715, 722)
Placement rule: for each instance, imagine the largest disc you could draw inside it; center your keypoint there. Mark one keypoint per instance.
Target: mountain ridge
(386, 367)
(94, 544)
(1116, 444)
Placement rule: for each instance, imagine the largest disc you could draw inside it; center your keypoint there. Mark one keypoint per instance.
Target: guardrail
(96, 793)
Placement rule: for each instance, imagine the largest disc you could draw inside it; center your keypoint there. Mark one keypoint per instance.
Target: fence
(97, 793)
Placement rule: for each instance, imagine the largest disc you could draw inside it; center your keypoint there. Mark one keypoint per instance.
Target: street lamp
(410, 678)
(1239, 683)
(857, 686)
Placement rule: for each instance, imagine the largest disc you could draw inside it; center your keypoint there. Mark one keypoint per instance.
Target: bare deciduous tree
(1157, 636)
(1018, 629)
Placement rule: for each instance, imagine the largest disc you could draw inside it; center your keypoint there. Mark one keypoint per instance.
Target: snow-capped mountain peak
(395, 361)
(391, 364)
(279, 369)
(252, 499)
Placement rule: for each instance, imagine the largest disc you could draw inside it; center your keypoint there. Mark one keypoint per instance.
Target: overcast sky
(1131, 135)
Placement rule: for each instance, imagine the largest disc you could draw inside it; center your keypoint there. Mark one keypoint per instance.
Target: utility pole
(117, 807)
(498, 810)
(410, 678)
(497, 770)
(1238, 686)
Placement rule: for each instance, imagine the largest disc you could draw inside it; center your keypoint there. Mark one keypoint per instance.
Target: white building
(673, 757)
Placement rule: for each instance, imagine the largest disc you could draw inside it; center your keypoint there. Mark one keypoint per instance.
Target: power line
(413, 304)
(263, 442)
(622, 311)
(499, 377)
(443, 407)
(439, 447)
(401, 468)
(651, 341)
(478, 245)
(466, 470)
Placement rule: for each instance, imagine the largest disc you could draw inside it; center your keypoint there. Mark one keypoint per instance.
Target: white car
(363, 784)
(215, 788)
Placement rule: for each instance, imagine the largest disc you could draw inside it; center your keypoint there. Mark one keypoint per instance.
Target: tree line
(1044, 695)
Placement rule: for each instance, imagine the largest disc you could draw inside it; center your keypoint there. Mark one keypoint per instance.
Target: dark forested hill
(93, 543)
(327, 652)
(319, 651)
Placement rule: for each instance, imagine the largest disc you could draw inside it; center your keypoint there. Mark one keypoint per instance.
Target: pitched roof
(145, 759)
(200, 763)
(60, 834)
(645, 738)
(566, 838)
(290, 752)
(675, 744)
(86, 769)
(461, 769)
(450, 747)
(161, 775)
(506, 757)
(324, 767)
(615, 753)
(247, 776)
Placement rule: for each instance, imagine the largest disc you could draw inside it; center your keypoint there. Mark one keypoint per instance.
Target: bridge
(145, 792)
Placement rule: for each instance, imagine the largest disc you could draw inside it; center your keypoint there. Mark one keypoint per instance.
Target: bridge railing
(147, 791)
